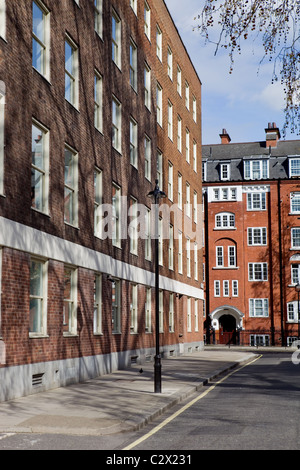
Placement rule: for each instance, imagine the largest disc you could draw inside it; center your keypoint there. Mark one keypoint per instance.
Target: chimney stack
(225, 138)
(272, 135)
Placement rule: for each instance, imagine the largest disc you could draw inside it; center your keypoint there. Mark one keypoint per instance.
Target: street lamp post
(156, 194)
(298, 291)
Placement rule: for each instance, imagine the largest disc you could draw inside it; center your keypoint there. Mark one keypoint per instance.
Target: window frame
(41, 298)
(44, 44)
(71, 188)
(43, 171)
(72, 76)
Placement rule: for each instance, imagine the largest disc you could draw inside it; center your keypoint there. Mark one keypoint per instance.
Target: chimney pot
(225, 138)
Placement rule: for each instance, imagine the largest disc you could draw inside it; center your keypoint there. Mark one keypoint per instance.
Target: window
(97, 202)
(40, 38)
(159, 166)
(2, 126)
(217, 288)
(170, 181)
(160, 241)
(295, 273)
(235, 288)
(171, 247)
(161, 311)
(179, 133)
(220, 256)
(116, 306)
(147, 143)
(71, 72)
(257, 271)
(116, 124)
(256, 169)
(258, 307)
(232, 256)
(225, 171)
(256, 201)
(188, 200)
(295, 203)
(98, 7)
(147, 86)
(71, 187)
(257, 236)
(133, 4)
(195, 205)
(70, 301)
(159, 43)
(188, 257)
(38, 298)
(148, 234)
(148, 310)
(189, 314)
(292, 311)
(97, 327)
(196, 313)
(170, 63)
(196, 261)
(98, 102)
(116, 210)
(194, 109)
(133, 143)
(179, 80)
(259, 340)
(3, 18)
(179, 191)
(225, 220)
(133, 65)
(295, 232)
(171, 313)
(204, 173)
(187, 145)
(294, 167)
(187, 95)
(39, 167)
(133, 213)
(225, 288)
(170, 120)
(147, 14)
(116, 39)
(195, 156)
(180, 254)
(159, 104)
(133, 308)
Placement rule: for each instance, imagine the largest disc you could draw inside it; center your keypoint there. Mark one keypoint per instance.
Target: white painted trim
(24, 238)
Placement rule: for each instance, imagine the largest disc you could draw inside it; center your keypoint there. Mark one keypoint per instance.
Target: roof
(236, 153)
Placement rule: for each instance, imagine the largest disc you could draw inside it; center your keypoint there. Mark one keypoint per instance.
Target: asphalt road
(256, 407)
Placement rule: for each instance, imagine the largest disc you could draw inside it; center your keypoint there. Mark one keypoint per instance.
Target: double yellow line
(185, 407)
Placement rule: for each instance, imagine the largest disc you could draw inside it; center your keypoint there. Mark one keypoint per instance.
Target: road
(255, 407)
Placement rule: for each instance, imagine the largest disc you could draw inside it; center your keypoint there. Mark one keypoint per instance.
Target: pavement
(121, 401)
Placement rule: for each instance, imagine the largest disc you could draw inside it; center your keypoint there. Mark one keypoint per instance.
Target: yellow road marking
(185, 407)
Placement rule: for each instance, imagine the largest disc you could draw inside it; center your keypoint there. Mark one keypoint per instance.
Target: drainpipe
(280, 265)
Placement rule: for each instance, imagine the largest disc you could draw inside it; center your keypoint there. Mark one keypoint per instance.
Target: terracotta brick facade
(251, 192)
(37, 239)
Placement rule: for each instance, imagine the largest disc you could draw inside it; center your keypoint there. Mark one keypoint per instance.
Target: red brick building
(98, 99)
(252, 238)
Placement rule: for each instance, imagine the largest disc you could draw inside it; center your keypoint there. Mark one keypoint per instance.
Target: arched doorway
(227, 329)
(226, 321)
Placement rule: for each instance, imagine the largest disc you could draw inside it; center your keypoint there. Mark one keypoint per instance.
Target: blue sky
(242, 102)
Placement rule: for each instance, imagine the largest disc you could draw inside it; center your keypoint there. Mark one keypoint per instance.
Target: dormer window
(256, 169)
(225, 171)
(294, 167)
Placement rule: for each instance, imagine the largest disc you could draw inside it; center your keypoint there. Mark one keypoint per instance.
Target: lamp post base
(157, 374)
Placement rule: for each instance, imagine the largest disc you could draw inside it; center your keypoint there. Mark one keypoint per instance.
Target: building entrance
(227, 329)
